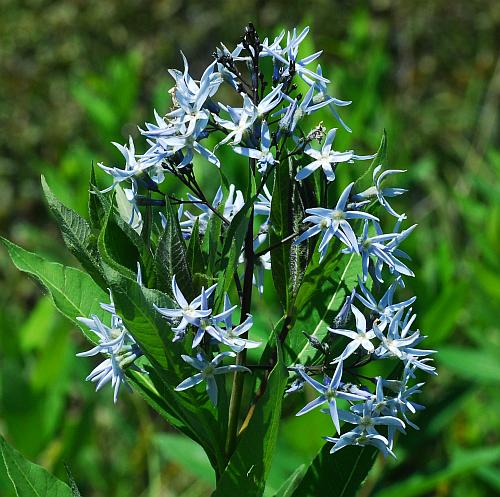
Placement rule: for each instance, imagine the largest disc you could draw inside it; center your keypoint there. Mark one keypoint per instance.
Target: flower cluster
(270, 124)
(114, 342)
(386, 334)
(208, 327)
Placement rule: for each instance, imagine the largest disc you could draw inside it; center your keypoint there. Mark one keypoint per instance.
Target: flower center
(330, 394)
(338, 215)
(115, 332)
(189, 311)
(365, 244)
(366, 422)
(209, 370)
(299, 114)
(319, 97)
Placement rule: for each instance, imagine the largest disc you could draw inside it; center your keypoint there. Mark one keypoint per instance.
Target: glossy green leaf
(227, 277)
(246, 473)
(73, 292)
(340, 474)
(122, 248)
(281, 224)
(77, 235)
(236, 231)
(233, 240)
(178, 411)
(29, 479)
(116, 249)
(288, 262)
(171, 257)
(148, 327)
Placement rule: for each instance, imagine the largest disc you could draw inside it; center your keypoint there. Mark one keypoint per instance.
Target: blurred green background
(75, 75)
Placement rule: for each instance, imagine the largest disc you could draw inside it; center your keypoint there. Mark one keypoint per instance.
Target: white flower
(208, 371)
(379, 192)
(188, 312)
(359, 338)
(327, 159)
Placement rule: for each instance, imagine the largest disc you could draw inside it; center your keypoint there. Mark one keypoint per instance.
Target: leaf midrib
(22, 472)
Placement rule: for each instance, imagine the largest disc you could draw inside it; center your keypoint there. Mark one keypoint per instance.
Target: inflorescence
(271, 124)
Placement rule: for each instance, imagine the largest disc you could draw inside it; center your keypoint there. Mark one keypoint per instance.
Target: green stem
(246, 300)
(246, 304)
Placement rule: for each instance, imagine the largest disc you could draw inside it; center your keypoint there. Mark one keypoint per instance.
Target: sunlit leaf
(29, 479)
(73, 292)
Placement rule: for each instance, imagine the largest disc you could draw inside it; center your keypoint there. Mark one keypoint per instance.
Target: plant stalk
(246, 304)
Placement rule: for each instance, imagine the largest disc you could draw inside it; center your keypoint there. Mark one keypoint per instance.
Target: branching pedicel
(273, 127)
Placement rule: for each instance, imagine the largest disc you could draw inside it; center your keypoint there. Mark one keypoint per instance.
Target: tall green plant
(173, 266)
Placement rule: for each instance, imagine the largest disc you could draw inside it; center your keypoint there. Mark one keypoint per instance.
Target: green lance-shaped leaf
(160, 397)
(196, 261)
(229, 263)
(194, 254)
(299, 254)
(190, 411)
(340, 474)
(321, 295)
(73, 292)
(122, 248)
(116, 249)
(281, 224)
(288, 262)
(233, 240)
(29, 479)
(77, 235)
(147, 326)
(227, 276)
(138, 241)
(211, 241)
(100, 205)
(171, 257)
(246, 473)
(235, 232)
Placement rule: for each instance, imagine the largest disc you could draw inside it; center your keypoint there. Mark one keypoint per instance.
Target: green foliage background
(75, 75)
